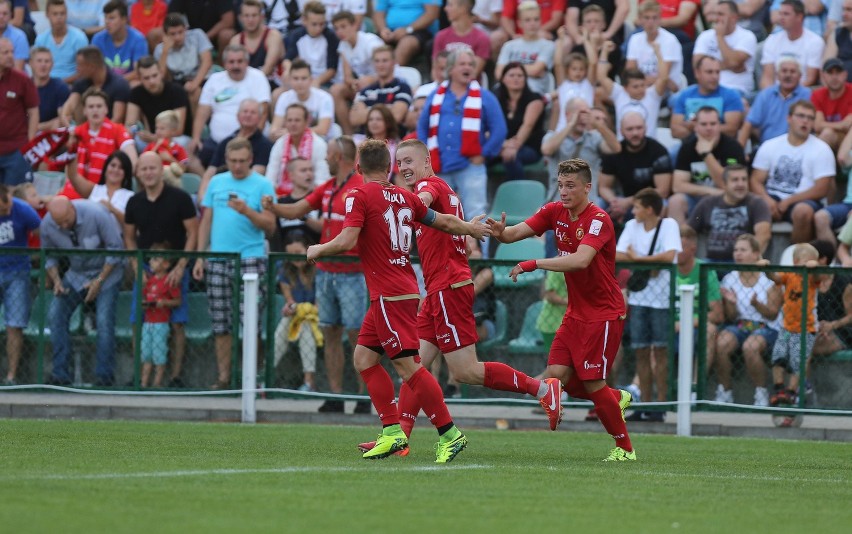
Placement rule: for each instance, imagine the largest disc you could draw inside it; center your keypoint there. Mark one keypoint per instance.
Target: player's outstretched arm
(510, 234)
(296, 210)
(560, 264)
(451, 224)
(345, 240)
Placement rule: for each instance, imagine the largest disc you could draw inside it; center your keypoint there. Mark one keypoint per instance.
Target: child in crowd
(301, 173)
(553, 307)
(159, 297)
(530, 50)
(27, 192)
(173, 155)
(315, 43)
(573, 80)
(787, 352)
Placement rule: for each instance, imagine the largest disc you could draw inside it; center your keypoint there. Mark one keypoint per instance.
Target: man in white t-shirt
(221, 98)
(641, 55)
(794, 40)
(733, 45)
(319, 103)
(793, 172)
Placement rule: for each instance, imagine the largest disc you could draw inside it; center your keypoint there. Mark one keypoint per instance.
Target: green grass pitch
(115, 476)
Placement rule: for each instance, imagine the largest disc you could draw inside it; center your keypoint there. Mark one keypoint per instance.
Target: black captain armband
(430, 217)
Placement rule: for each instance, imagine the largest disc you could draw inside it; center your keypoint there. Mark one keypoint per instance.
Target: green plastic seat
(501, 319)
(190, 182)
(518, 198)
(527, 249)
(199, 327)
(529, 340)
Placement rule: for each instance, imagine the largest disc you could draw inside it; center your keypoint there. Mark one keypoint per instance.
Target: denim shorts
(649, 327)
(838, 214)
(341, 299)
(742, 332)
(15, 292)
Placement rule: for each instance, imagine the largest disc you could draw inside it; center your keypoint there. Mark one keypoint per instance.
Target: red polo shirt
(17, 94)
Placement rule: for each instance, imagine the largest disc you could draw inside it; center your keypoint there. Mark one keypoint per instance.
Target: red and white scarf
(471, 123)
(305, 151)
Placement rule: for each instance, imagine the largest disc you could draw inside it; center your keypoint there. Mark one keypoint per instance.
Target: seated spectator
(264, 44)
(86, 15)
(309, 225)
(147, 16)
(20, 44)
(214, 17)
(612, 28)
(794, 172)
(642, 162)
(727, 216)
(844, 242)
(707, 92)
(52, 92)
(534, 52)
(221, 97)
(486, 14)
(93, 72)
(319, 103)
(173, 156)
(388, 90)
(151, 97)
(552, 16)
(815, 15)
(524, 113)
(593, 31)
(678, 17)
(462, 30)
(641, 55)
(834, 311)
(833, 102)
(299, 141)
(731, 44)
(355, 70)
(794, 40)
(283, 15)
(332, 7)
(753, 15)
(121, 44)
(62, 40)
(315, 44)
(93, 142)
(635, 94)
(830, 218)
(700, 163)
(839, 42)
(767, 117)
(406, 26)
(114, 188)
(381, 125)
(751, 302)
(22, 19)
(185, 56)
(411, 118)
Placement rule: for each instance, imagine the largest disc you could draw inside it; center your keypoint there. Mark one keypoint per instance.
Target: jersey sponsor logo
(562, 235)
(595, 227)
(601, 215)
(402, 261)
(445, 338)
(587, 365)
(350, 202)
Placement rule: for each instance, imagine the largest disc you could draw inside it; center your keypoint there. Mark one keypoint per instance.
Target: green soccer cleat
(387, 445)
(447, 450)
(624, 402)
(620, 455)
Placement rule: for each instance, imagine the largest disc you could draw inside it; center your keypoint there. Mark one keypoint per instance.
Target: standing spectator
(114, 188)
(159, 299)
(641, 54)
(642, 162)
(93, 72)
(161, 213)
(532, 50)
(264, 44)
(301, 173)
(315, 43)
(84, 225)
(700, 163)
(221, 97)
(299, 141)
(839, 42)
(233, 221)
(794, 172)
(214, 17)
(151, 97)
(19, 115)
(649, 308)
(86, 15)
(18, 220)
(795, 40)
(524, 113)
(185, 55)
(121, 44)
(727, 216)
(707, 92)
(407, 26)
(319, 103)
(833, 102)
(62, 40)
(731, 44)
(482, 132)
(52, 92)
(388, 89)
(833, 217)
(439, 69)
(147, 16)
(20, 44)
(614, 14)
(463, 30)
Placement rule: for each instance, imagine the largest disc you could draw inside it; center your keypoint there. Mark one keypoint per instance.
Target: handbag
(639, 279)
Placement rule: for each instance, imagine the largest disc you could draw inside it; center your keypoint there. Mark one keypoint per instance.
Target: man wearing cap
(833, 102)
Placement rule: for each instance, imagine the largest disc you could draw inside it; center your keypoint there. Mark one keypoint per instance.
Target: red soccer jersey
(593, 292)
(833, 110)
(93, 150)
(157, 289)
(443, 255)
(331, 199)
(385, 213)
(176, 151)
(548, 7)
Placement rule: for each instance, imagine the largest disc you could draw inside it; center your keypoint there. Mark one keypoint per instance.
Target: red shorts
(391, 325)
(446, 319)
(588, 347)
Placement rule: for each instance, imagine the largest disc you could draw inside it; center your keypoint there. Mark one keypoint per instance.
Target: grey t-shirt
(725, 223)
(183, 62)
(527, 53)
(586, 147)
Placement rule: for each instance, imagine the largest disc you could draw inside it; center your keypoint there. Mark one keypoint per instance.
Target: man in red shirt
(379, 219)
(585, 345)
(833, 102)
(18, 115)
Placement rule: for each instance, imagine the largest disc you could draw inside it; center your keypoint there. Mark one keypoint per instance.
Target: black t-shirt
(636, 170)
(609, 12)
(172, 97)
(725, 223)
(288, 226)
(160, 220)
(830, 306)
(514, 123)
(202, 14)
(727, 152)
(260, 148)
(116, 88)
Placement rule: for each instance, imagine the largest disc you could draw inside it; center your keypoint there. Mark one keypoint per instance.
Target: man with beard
(643, 162)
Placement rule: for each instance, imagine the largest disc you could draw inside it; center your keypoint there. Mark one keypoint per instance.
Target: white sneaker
(633, 389)
(724, 395)
(761, 397)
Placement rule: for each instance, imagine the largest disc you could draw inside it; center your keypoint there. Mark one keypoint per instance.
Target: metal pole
(684, 374)
(250, 305)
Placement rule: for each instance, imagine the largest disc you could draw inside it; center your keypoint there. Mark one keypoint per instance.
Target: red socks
(502, 377)
(609, 413)
(380, 387)
(430, 396)
(409, 407)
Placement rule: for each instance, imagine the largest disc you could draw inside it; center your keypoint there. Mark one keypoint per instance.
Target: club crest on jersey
(579, 233)
(595, 227)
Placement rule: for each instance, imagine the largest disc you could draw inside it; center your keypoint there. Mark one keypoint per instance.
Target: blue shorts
(743, 332)
(649, 327)
(155, 343)
(341, 299)
(838, 214)
(15, 292)
(181, 313)
(816, 206)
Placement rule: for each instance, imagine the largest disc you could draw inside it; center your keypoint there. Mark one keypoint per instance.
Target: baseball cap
(833, 63)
